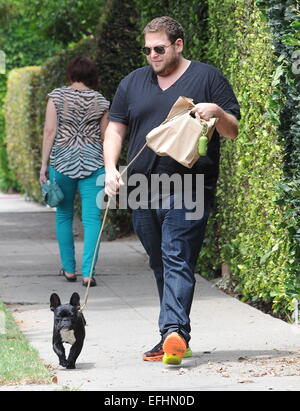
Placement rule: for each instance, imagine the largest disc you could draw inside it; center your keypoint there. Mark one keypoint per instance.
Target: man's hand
(113, 181)
(227, 124)
(208, 110)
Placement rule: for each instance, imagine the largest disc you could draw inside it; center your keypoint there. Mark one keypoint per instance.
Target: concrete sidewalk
(235, 346)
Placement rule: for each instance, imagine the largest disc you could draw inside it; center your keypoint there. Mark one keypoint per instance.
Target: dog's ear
(54, 301)
(75, 300)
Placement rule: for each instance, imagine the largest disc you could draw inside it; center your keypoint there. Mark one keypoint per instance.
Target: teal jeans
(91, 192)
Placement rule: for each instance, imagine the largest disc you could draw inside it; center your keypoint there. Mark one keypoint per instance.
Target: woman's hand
(44, 174)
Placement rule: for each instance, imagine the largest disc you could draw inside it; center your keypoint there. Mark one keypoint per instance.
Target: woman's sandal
(93, 282)
(71, 279)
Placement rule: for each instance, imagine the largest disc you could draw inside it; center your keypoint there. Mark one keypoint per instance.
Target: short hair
(171, 27)
(84, 70)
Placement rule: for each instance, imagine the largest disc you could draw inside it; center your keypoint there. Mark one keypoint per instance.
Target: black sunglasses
(157, 49)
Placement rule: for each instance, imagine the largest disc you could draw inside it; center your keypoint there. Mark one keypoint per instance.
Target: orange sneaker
(174, 348)
(157, 353)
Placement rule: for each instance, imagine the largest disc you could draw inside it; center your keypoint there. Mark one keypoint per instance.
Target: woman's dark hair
(84, 70)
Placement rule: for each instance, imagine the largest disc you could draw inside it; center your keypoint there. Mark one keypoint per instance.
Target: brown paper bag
(178, 135)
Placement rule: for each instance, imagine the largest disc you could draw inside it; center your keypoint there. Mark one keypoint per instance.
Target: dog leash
(100, 234)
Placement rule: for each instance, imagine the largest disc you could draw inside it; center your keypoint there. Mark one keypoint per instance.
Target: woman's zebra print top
(77, 150)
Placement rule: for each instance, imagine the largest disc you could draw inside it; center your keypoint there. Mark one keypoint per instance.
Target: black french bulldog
(68, 328)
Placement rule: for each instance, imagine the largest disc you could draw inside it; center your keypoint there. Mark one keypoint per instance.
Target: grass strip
(19, 362)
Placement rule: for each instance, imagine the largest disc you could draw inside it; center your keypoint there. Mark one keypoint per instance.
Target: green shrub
(22, 132)
(253, 238)
(7, 182)
(284, 22)
(118, 51)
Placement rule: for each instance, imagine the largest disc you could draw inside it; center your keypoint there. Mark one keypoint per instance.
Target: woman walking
(76, 118)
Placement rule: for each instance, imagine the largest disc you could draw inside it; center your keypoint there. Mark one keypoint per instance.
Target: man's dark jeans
(173, 244)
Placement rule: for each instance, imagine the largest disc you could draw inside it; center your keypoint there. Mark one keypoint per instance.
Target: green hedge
(253, 238)
(7, 182)
(22, 129)
(118, 51)
(284, 22)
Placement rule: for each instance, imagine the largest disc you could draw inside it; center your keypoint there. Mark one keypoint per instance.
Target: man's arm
(227, 124)
(114, 136)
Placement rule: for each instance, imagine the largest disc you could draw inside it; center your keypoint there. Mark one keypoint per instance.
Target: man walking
(142, 102)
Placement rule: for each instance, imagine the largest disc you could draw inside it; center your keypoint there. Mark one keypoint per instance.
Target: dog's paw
(63, 363)
(70, 366)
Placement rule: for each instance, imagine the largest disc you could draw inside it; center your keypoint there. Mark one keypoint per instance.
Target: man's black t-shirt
(141, 104)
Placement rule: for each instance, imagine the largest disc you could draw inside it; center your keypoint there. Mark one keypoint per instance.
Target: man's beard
(168, 68)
